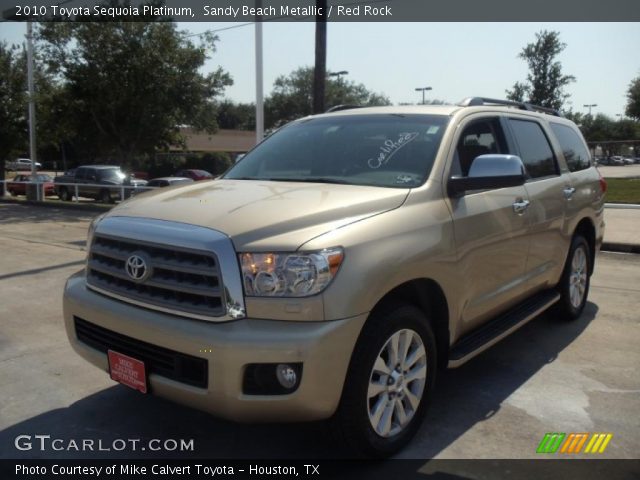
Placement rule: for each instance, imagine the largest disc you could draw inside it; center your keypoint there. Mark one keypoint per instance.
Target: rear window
(535, 151)
(379, 150)
(573, 147)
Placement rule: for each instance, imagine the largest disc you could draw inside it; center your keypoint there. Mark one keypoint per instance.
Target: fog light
(271, 378)
(286, 375)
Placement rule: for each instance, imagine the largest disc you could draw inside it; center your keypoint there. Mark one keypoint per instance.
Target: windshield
(379, 150)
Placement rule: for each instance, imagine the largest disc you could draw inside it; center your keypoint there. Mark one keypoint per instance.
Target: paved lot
(624, 171)
(551, 376)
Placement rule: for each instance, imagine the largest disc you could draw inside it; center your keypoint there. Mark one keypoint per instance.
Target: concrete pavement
(622, 231)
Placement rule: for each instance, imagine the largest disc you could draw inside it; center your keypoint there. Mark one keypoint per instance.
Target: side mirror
(489, 172)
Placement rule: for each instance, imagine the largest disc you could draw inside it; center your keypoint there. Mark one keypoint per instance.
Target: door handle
(568, 192)
(520, 206)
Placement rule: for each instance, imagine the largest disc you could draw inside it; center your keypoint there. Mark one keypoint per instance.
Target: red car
(18, 186)
(194, 174)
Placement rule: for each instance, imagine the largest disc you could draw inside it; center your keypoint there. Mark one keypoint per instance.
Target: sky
(456, 59)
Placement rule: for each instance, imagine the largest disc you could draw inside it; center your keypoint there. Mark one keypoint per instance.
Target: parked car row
(617, 160)
(101, 182)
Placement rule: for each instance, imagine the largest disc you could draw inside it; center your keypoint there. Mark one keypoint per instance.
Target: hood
(264, 215)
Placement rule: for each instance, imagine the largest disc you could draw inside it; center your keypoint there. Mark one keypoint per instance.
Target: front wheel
(574, 284)
(389, 384)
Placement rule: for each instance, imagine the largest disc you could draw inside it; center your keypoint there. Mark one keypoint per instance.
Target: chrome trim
(568, 192)
(520, 206)
(496, 165)
(183, 236)
(484, 346)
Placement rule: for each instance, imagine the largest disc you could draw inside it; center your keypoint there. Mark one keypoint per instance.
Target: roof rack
(477, 101)
(337, 108)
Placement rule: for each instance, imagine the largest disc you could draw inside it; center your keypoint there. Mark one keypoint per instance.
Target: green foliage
(236, 116)
(126, 87)
(13, 102)
(292, 96)
(602, 128)
(545, 82)
(213, 162)
(633, 99)
(623, 190)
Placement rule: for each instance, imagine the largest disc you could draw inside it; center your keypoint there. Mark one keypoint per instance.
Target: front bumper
(324, 348)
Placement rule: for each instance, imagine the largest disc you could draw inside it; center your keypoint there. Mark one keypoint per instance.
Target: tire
(369, 396)
(105, 196)
(63, 194)
(575, 281)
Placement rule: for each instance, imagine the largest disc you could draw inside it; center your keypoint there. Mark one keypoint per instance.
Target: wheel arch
(426, 295)
(586, 228)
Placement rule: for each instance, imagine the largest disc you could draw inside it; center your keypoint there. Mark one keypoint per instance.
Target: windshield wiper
(296, 179)
(309, 180)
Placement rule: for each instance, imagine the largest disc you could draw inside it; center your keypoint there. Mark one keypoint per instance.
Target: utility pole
(320, 71)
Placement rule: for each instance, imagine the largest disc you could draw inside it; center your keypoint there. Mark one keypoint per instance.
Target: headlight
(289, 274)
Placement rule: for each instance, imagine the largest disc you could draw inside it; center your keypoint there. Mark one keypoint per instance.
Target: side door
(549, 188)
(90, 178)
(490, 230)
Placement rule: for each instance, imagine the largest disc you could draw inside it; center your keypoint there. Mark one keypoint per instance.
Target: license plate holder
(128, 371)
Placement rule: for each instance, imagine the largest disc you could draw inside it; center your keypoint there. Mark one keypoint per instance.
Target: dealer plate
(128, 371)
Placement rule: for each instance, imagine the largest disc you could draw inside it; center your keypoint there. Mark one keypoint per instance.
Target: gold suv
(331, 271)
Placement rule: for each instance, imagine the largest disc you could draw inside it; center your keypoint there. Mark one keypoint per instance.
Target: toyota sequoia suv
(333, 269)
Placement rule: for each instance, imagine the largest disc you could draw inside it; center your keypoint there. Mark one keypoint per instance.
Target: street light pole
(338, 74)
(32, 105)
(259, 79)
(589, 105)
(423, 89)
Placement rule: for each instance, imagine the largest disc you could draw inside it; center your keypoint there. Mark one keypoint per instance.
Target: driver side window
(480, 137)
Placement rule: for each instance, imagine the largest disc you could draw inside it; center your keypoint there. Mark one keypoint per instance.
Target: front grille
(159, 360)
(180, 280)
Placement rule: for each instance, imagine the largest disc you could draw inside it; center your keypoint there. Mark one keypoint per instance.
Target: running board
(491, 333)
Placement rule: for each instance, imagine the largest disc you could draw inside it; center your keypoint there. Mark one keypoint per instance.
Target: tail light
(603, 183)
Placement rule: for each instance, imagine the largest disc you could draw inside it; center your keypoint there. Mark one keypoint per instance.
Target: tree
(130, 85)
(292, 96)
(633, 99)
(13, 101)
(545, 82)
(236, 116)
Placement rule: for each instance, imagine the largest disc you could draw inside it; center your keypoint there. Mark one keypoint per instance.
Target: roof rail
(337, 108)
(477, 101)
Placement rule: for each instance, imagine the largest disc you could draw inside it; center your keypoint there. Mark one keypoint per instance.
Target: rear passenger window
(535, 151)
(573, 148)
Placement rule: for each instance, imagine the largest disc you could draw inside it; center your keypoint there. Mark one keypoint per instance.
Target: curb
(619, 247)
(622, 205)
(69, 205)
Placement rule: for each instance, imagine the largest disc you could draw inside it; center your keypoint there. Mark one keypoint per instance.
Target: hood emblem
(137, 267)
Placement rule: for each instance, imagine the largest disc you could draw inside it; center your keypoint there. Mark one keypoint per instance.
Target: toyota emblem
(137, 268)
